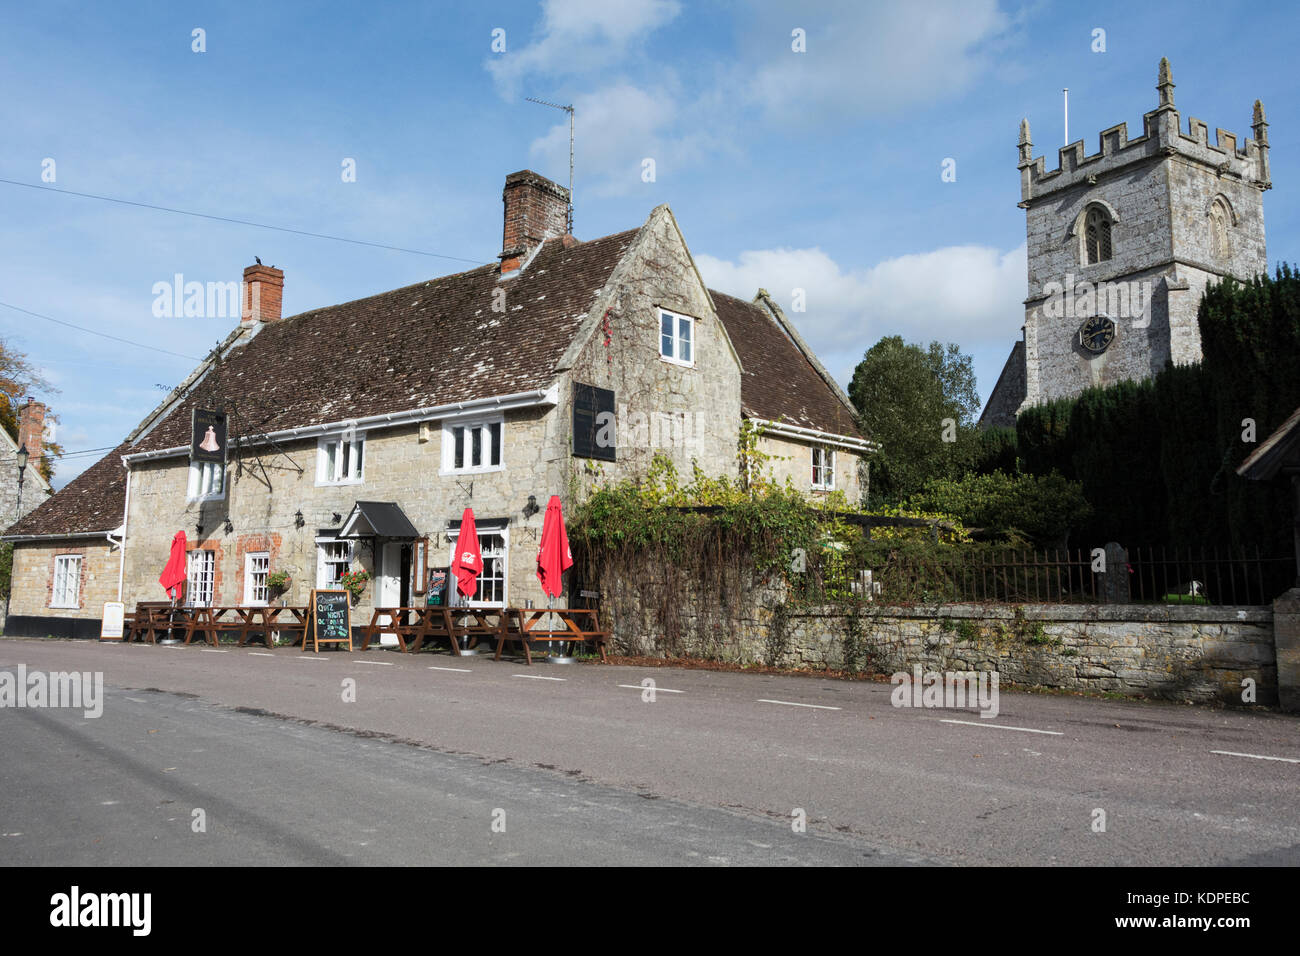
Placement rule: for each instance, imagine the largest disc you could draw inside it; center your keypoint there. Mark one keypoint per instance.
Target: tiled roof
(779, 383)
(424, 345)
(93, 501)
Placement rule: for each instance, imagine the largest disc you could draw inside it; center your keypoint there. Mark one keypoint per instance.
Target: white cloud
(971, 295)
(865, 58)
(578, 36)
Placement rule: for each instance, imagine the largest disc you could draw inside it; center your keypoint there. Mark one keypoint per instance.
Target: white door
(389, 591)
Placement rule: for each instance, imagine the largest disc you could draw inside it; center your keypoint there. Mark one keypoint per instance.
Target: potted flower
(277, 582)
(354, 582)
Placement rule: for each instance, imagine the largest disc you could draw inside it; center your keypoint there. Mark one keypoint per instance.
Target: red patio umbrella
(554, 556)
(174, 574)
(467, 564)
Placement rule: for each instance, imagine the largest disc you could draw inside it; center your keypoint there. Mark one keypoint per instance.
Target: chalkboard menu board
(329, 619)
(437, 589)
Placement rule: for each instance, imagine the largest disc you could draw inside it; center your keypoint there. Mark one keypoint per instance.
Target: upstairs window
(471, 447)
(823, 469)
(1096, 236)
(67, 581)
(676, 338)
(340, 461)
(207, 481)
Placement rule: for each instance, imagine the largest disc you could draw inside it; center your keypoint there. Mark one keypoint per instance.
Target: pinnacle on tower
(1025, 145)
(1165, 83)
(1259, 124)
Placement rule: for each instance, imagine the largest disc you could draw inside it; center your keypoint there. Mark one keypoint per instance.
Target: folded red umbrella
(174, 573)
(554, 556)
(467, 563)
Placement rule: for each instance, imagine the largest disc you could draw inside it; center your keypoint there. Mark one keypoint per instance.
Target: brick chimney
(263, 291)
(536, 210)
(31, 430)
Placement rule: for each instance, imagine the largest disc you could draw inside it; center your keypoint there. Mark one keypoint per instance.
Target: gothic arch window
(1096, 236)
(1220, 225)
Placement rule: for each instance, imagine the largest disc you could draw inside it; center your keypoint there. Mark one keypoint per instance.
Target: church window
(1219, 221)
(1096, 236)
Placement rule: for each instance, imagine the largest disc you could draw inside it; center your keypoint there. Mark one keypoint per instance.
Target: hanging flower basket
(354, 582)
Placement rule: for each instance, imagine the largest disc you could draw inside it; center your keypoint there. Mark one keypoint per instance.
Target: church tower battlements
(1121, 245)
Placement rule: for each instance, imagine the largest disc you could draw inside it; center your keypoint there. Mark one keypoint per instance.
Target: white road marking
(791, 703)
(379, 663)
(1027, 730)
(657, 690)
(309, 657)
(538, 677)
(259, 654)
(208, 650)
(454, 670)
(1229, 753)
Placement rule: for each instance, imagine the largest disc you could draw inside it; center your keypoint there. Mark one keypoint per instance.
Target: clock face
(1096, 334)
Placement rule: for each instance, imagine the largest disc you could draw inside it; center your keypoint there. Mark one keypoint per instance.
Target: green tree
(19, 377)
(919, 403)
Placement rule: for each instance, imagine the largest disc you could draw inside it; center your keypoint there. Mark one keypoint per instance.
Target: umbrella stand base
(558, 660)
(469, 652)
(170, 640)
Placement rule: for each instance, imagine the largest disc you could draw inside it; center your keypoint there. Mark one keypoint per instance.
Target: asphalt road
(578, 767)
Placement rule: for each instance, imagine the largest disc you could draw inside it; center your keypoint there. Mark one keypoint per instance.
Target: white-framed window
(67, 581)
(494, 545)
(823, 468)
(257, 565)
(340, 461)
(207, 481)
(333, 557)
(676, 338)
(470, 447)
(200, 574)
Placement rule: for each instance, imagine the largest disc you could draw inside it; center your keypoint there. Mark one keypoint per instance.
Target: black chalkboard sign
(329, 619)
(437, 587)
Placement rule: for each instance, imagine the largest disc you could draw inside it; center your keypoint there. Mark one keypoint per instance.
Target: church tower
(1121, 245)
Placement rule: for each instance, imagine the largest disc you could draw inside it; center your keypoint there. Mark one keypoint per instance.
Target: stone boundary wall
(1196, 653)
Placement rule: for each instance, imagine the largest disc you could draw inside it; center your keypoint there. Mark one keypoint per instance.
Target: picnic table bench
(415, 626)
(244, 620)
(148, 618)
(576, 624)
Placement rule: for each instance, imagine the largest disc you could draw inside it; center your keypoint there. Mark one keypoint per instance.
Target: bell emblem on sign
(209, 442)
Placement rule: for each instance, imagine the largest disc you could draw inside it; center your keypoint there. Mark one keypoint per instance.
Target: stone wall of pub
(1197, 653)
(33, 584)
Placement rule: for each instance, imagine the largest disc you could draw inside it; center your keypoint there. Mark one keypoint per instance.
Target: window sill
(678, 362)
(65, 607)
(205, 499)
(457, 472)
(341, 484)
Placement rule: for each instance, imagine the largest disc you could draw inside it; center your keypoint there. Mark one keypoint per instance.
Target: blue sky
(817, 170)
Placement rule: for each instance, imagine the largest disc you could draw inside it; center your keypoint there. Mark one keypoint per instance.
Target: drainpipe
(126, 511)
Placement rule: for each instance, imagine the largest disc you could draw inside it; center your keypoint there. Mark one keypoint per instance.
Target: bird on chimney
(259, 259)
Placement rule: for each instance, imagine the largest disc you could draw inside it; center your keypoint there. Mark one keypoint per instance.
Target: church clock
(1096, 334)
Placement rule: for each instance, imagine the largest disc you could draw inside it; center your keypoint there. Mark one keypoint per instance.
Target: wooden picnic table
(245, 620)
(148, 619)
(576, 624)
(415, 626)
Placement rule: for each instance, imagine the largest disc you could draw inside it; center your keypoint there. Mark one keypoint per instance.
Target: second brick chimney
(263, 292)
(31, 430)
(536, 210)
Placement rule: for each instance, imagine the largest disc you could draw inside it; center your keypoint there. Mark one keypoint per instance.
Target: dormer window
(1096, 236)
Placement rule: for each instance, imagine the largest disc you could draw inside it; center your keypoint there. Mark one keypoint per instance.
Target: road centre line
(209, 650)
(309, 657)
(1026, 730)
(1229, 753)
(378, 663)
(454, 670)
(538, 677)
(259, 654)
(791, 703)
(657, 690)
